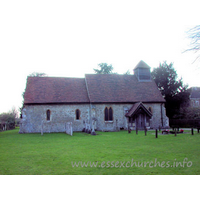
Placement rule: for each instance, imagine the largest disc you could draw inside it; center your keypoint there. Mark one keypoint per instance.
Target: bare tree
(37, 74)
(127, 72)
(104, 69)
(14, 112)
(194, 36)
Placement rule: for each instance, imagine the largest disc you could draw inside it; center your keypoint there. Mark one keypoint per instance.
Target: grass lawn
(113, 152)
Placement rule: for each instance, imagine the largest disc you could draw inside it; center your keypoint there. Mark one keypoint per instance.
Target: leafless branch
(194, 36)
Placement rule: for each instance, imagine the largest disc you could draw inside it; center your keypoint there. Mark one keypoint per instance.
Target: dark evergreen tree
(175, 93)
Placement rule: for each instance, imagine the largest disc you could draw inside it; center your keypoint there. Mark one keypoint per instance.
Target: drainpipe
(90, 104)
(161, 110)
(90, 116)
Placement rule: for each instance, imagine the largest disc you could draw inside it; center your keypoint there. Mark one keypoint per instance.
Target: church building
(108, 102)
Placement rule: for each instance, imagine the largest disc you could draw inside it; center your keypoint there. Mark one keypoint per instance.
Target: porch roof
(134, 109)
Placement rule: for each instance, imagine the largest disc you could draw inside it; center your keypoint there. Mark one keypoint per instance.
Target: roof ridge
(56, 77)
(110, 74)
(87, 89)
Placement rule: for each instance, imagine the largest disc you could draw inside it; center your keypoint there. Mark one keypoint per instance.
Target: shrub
(8, 119)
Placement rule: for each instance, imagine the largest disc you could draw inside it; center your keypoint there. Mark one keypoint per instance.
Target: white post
(93, 128)
(71, 129)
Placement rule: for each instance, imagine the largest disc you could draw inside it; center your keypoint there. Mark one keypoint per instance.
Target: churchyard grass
(115, 152)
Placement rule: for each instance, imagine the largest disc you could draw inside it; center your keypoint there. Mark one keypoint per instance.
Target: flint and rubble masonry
(35, 115)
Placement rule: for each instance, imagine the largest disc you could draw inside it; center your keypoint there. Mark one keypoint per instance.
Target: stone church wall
(119, 119)
(35, 117)
(158, 119)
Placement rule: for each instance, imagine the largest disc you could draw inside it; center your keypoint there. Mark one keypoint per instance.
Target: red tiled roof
(55, 90)
(115, 88)
(100, 88)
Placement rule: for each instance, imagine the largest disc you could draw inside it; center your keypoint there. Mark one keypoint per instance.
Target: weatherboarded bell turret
(142, 71)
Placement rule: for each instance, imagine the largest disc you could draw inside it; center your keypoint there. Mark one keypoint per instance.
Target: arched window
(78, 113)
(48, 115)
(108, 114)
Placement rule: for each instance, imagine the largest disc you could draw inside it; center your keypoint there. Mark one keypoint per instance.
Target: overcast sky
(70, 38)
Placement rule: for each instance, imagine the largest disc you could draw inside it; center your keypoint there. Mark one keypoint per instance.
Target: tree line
(10, 119)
